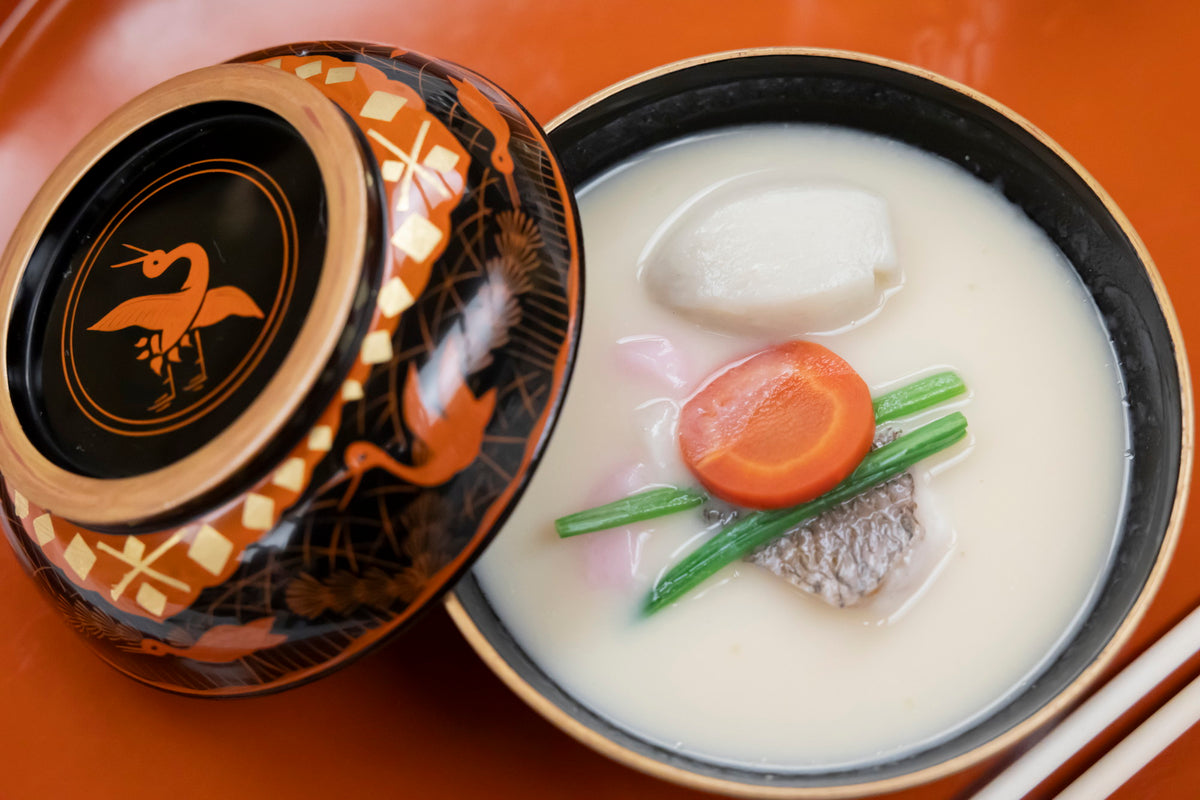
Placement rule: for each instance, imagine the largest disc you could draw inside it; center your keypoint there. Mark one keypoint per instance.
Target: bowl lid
(173, 289)
(311, 312)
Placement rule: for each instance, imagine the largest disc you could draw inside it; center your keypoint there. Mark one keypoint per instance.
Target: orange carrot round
(778, 428)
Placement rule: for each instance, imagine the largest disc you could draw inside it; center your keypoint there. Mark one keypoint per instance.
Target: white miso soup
(1020, 518)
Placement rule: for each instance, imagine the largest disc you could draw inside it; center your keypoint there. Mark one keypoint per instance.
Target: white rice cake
(767, 254)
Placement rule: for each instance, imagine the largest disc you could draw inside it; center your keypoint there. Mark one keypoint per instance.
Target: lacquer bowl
(998, 147)
(282, 339)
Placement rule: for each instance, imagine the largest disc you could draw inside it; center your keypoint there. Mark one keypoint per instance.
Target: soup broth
(1019, 520)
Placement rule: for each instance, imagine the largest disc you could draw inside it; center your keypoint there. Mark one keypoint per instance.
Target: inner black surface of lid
(167, 289)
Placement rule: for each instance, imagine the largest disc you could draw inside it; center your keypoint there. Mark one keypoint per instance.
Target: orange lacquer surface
(1115, 83)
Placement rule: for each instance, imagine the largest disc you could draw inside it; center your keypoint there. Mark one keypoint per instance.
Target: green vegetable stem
(756, 529)
(918, 396)
(635, 508)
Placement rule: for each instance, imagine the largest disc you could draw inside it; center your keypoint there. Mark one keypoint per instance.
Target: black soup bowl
(997, 146)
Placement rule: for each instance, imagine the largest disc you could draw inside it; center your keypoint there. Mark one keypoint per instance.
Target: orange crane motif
(446, 420)
(174, 319)
(450, 437)
(486, 115)
(220, 644)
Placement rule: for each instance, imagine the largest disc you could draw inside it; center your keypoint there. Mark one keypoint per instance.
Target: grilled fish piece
(844, 555)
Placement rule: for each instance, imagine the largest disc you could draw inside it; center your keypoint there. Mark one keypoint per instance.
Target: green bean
(918, 396)
(635, 508)
(753, 530)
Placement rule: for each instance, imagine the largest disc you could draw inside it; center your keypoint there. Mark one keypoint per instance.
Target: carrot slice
(780, 427)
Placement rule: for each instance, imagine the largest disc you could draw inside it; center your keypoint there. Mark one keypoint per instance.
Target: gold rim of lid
(142, 498)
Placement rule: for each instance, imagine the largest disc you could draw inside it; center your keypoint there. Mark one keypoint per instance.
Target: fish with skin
(844, 555)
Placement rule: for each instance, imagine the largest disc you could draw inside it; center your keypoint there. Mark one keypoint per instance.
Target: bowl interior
(983, 139)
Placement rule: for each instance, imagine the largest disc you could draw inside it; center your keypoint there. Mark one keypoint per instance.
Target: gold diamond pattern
(258, 512)
(43, 529)
(151, 599)
(134, 548)
(210, 549)
(277, 63)
(417, 237)
(392, 170)
(290, 475)
(308, 70)
(80, 557)
(441, 159)
(20, 505)
(394, 297)
(382, 106)
(340, 75)
(377, 347)
(352, 390)
(320, 438)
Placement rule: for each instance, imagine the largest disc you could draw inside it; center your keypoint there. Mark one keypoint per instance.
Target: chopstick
(1102, 709)
(1138, 748)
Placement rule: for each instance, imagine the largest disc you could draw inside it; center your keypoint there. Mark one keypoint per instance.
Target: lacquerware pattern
(416, 459)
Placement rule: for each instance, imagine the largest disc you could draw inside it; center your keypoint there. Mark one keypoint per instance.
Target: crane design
(445, 418)
(220, 644)
(174, 319)
(490, 118)
(447, 423)
(449, 438)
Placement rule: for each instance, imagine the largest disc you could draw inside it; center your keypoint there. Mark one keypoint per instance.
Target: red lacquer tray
(424, 717)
